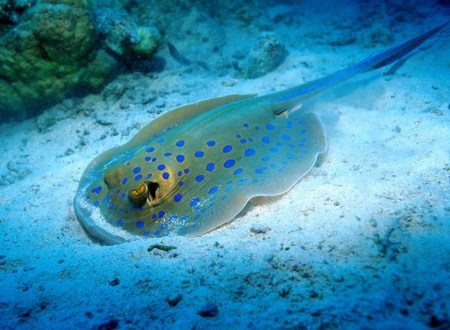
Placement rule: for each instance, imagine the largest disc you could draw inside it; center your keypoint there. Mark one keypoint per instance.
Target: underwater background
(361, 242)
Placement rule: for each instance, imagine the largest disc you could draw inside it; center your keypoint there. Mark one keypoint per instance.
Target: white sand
(362, 242)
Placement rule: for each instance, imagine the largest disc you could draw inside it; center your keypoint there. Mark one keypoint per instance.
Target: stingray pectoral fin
(93, 222)
(278, 158)
(181, 115)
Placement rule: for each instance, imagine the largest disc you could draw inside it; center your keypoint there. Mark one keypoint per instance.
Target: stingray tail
(373, 62)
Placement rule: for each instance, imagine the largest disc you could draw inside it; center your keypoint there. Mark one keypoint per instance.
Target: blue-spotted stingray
(195, 167)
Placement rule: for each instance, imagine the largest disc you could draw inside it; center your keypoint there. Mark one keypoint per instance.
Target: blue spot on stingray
(181, 183)
(164, 226)
(227, 149)
(119, 222)
(154, 216)
(140, 224)
(180, 173)
(161, 167)
(238, 171)
(213, 190)
(95, 203)
(259, 171)
(177, 198)
(199, 154)
(210, 167)
(147, 159)
(245, 125)
(146, 233)
(229, 163)
(173, 218)
(265, 159)
(131, 208)
(230, 182)
(199, 178)
(123, 196)
(137, 177)
(223, 197)
(180, 158)
(148, 176)
(250, 139)
(156, 233)
(238, 136)
(303, 131)
(257, 128)
(243, 180)
(186, 170)
(184, 218)
(194, 202)
(211, 143)
(249, 152)
(160, 140)
(279, 144)
(167, 154)
(150, 149)
(270, 127)
(179, 143)
(265, 139)
(286, 137)
(96, 190)
(165, 175)
(291, 145)
(161, 214)
(289, 124)
(273, 150)
(154, 159)
(243, 141)
(136, 170)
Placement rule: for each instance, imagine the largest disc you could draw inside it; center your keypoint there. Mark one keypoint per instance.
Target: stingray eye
(138, 196)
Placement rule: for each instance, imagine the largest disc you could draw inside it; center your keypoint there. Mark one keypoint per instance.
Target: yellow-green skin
(176, 153)
(195, 167)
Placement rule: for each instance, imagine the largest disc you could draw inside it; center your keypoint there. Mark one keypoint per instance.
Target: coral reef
(10, 10)
(124, 37)
(266, 54)
(52, 53)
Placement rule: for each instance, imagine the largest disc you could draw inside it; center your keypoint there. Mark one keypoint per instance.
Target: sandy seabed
(362, 242)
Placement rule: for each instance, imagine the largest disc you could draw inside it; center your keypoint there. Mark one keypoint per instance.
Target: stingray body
(195, 167)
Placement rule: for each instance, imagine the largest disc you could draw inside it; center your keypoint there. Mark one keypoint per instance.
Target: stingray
(195, 167)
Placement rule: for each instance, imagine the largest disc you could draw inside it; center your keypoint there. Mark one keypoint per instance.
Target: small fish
(183, 60)
(177, 56)
(195, 167)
